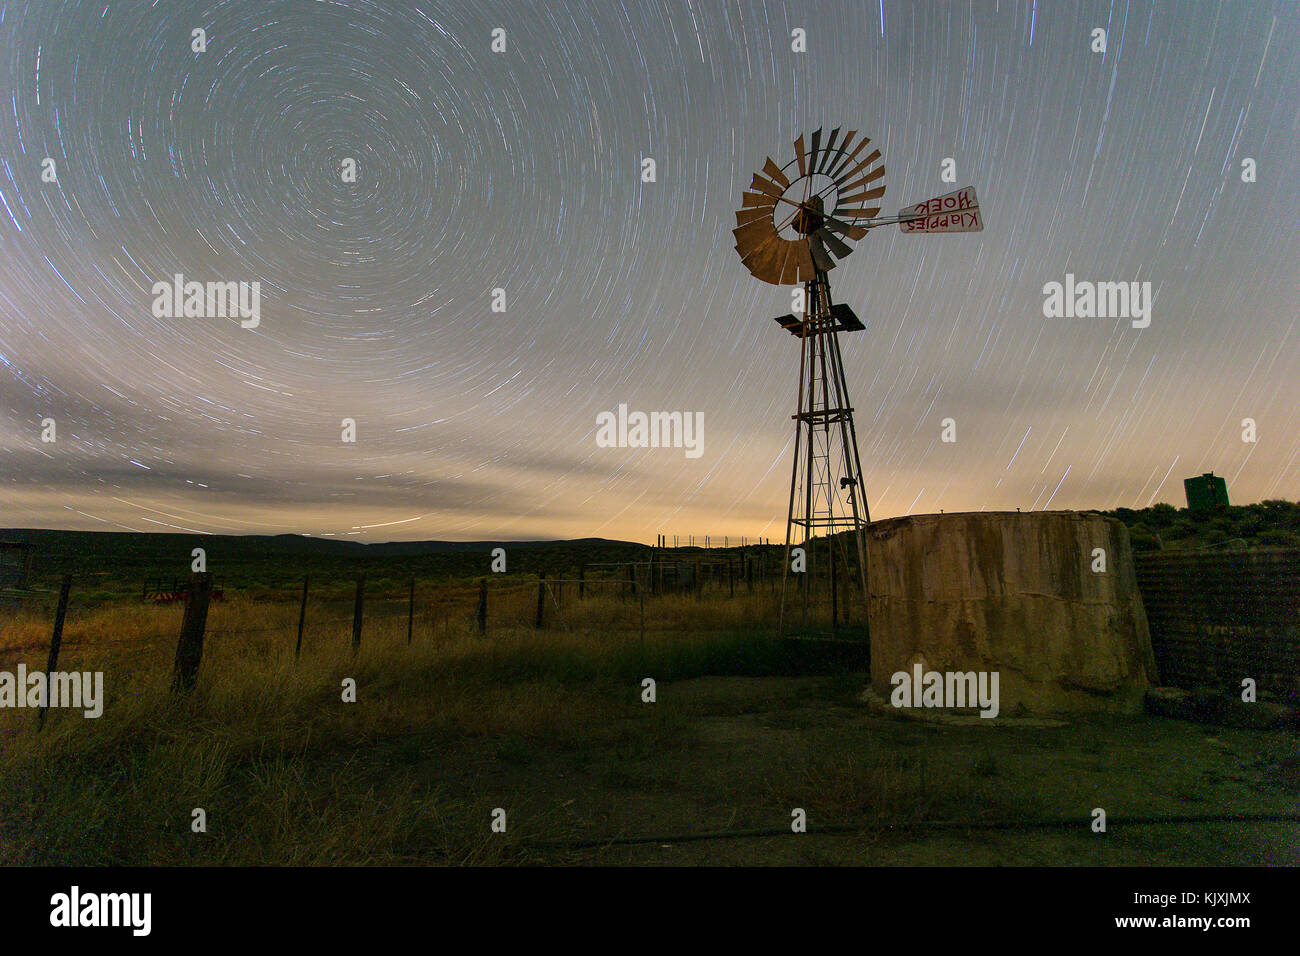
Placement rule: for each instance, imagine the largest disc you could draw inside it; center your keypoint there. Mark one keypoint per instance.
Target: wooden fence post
(541, 597)
(482, 606)
(357, 612)
(189, 649)
(582, 582)
(731, 578)
(56, 640)
(302, 615)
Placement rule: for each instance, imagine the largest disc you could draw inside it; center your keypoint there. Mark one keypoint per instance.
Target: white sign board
(955, 212)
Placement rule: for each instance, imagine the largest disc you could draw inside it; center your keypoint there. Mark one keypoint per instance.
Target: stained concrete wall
(1013, 593)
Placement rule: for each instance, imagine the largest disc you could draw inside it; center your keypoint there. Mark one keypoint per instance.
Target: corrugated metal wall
(1219, 616)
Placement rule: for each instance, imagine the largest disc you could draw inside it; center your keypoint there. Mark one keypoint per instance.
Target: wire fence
(611, 596)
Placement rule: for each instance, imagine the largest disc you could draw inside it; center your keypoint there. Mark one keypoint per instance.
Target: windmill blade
(798, 264)
(756, 258)
(838, 172)
(828, 151)
(859, 213)
(854, 232)
(764, 261)
(869, 177)
(862, 196)
(752, 233)
(766, 186)
(812, 156)
(820, 257)
(745, 216)
(803, 260)
(775, 173)
(833, 162)
(759, 200)
(837, 246)
(785, 265)
(871, 158)
(754, 248)
(799, 156)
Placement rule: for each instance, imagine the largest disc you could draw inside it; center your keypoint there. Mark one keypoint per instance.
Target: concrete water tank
(1048, 600)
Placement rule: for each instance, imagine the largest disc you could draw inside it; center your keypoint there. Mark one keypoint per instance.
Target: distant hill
(54, 542)
(119, 562)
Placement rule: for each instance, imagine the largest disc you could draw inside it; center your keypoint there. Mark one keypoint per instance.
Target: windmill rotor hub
(810, 217)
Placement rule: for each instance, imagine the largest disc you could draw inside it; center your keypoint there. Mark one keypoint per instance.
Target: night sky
(522, 171)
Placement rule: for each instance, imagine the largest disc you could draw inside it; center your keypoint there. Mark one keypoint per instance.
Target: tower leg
(794, 474)
(826, 485)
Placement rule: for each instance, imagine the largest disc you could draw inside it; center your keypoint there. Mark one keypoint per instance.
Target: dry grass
(267, 741)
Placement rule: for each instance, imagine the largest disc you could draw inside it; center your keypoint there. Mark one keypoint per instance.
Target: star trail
(498, 273)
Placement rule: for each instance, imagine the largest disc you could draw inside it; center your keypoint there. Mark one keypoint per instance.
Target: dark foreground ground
(750, 749)
(713, 754)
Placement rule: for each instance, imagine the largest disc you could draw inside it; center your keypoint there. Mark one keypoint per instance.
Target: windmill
(794, 222)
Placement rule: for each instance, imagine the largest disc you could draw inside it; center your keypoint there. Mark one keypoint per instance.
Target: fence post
(189, 649)
(356, 613)
(699, 585)
(582, 582)
(410, 612)
(56, 639)
(302, 615)
(541, 596)
(482, 606)
(731, 578)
